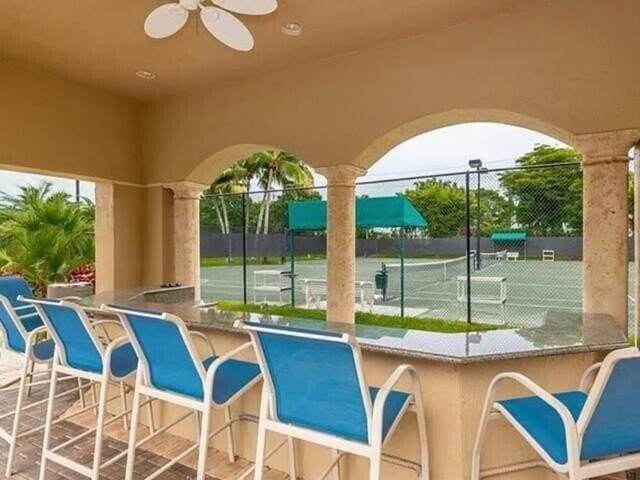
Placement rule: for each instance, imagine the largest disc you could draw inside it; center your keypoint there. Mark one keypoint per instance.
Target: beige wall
(158, 243)
(121, 240)
(51, 125)
(572, 73)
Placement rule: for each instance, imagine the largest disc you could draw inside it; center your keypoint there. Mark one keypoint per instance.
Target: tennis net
(489, 259)
(420, 274)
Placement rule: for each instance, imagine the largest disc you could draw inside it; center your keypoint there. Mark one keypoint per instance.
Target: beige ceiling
(101, 42)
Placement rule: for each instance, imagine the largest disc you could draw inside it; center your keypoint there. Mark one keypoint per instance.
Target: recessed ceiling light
(145, 74)
(291, 29)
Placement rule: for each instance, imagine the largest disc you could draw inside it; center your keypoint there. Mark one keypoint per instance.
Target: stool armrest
(213, 368)
(207, 341)
(569, 424)
(385, 390)
(587, 377)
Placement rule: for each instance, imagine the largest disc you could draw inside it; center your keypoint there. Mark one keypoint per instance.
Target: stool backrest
(13, 332)
(78, 344)
(315, 379)
(163, 344)
(15, 286)
(610, 420)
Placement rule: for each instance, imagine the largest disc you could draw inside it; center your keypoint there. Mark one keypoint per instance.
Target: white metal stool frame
(103, 379)
(341, 446)
(575, 430)
(201, 408)
(26, 380)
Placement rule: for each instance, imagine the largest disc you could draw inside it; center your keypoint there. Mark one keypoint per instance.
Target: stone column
(186, 232)
(341, 241)
(606, 223)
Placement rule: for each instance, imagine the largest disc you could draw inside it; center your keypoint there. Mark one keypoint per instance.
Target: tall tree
(278, 168)
(44, 235)
(547, 201)
(232, 181)
(442, 203)
(270, 169)
(495, 211)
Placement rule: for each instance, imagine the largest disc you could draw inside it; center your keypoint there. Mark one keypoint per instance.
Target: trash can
(382, 282)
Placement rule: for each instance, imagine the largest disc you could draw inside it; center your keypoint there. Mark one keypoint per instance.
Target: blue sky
(439, 151)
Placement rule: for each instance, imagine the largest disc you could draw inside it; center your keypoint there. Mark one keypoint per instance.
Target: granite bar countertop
(563, 332)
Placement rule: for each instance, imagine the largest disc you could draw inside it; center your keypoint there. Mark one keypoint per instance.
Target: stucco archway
(383, 144)
(211, 167)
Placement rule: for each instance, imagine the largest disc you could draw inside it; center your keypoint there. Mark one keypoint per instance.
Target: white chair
(80, 354)
(579, 434)
(334, 407)
(171, 371)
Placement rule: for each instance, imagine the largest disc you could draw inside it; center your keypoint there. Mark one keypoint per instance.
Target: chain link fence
(501, 246)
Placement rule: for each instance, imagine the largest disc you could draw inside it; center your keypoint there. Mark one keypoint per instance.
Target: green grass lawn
(362, 318)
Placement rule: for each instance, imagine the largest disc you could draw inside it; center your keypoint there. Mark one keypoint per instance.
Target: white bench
(270, 282)
(498, 298)
(315, 293)
(513, 256)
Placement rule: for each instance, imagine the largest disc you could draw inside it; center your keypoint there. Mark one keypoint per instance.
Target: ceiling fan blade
(248, 7)
(227, 28)
(165, 20)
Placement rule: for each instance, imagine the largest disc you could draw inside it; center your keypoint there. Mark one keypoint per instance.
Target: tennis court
(533, 287)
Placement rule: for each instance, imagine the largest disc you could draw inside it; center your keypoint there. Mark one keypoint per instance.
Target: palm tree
(44, 235)
(276, 167)
(232, 180)
(271, 168)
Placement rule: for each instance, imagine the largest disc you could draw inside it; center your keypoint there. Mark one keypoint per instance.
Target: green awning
(379, 212)
(310, 215)
(509, 237)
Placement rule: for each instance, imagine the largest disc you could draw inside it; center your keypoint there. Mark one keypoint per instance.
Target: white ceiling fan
(168, 19)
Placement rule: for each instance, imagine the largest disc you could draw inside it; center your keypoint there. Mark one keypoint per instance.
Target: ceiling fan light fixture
(218, 16)
(145, 74)
(291, 29)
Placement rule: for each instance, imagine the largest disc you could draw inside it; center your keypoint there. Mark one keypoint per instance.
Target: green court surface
(532, 287)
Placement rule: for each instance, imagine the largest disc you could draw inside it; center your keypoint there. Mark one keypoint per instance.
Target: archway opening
(47, 231)
(245, 245)
(503, 244)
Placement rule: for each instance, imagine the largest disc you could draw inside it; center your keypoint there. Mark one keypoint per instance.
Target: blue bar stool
(13, 287)
(24, 335)
(315, 390)
(79, 353)
(579, 434)
(172, 371)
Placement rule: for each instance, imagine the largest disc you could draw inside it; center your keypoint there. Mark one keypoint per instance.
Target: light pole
(477, 164)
